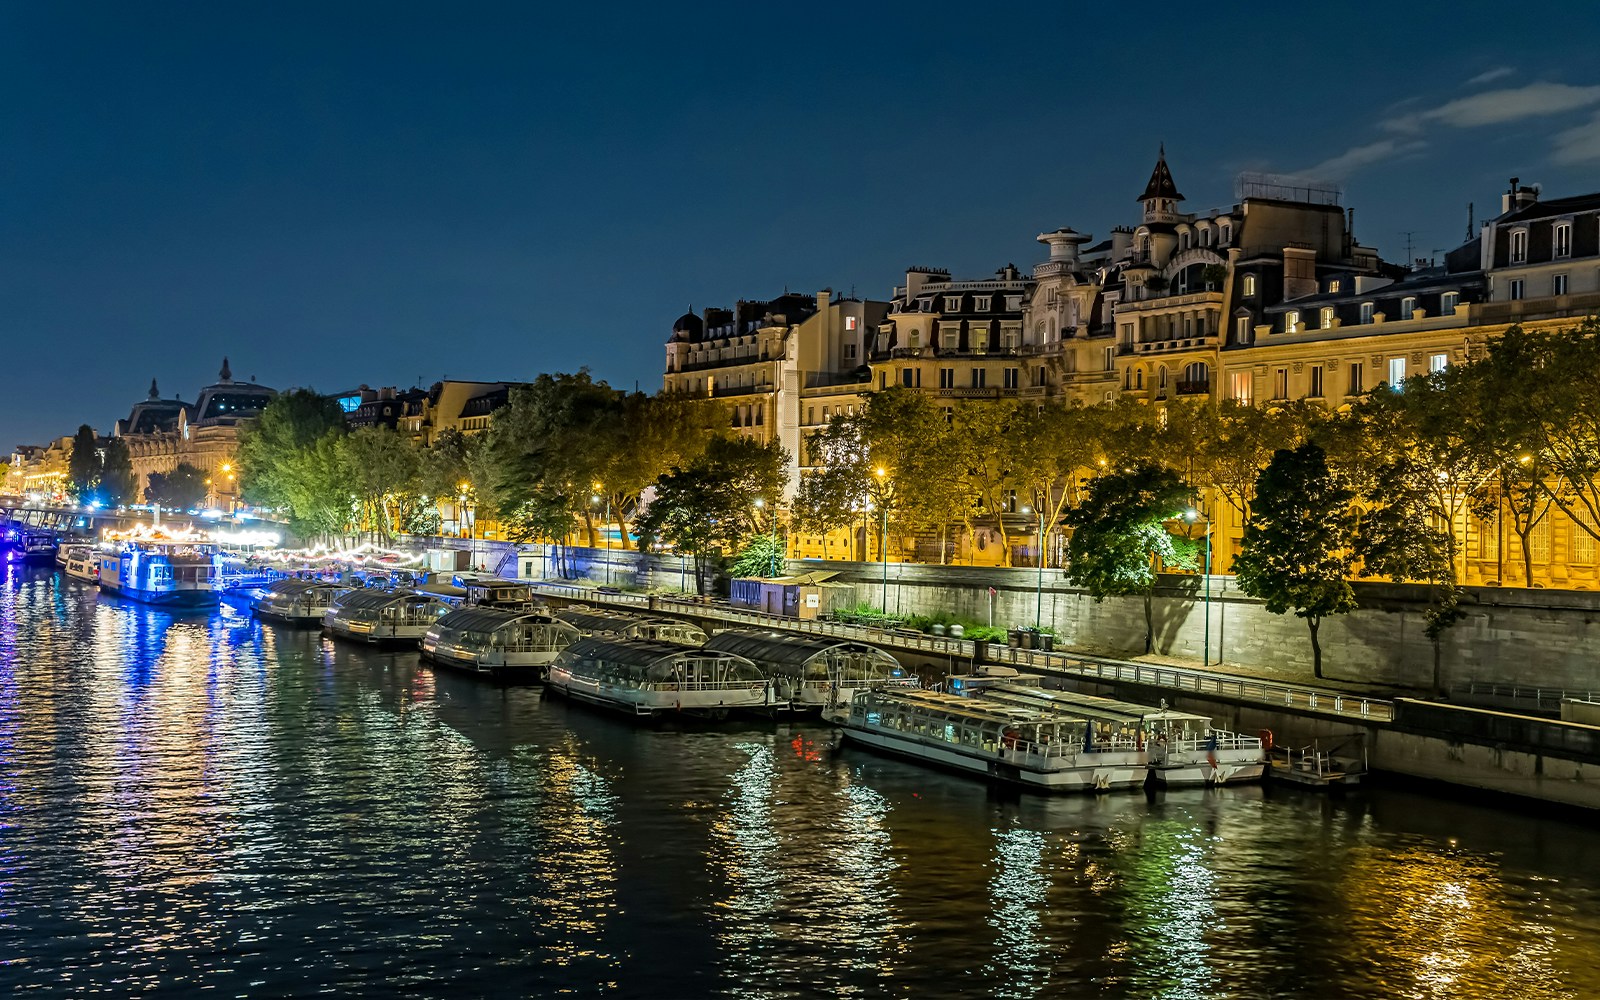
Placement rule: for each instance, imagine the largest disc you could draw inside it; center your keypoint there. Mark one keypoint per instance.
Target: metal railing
(1539, 698)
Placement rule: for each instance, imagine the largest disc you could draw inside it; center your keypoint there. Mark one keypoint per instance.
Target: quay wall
(1536, 638)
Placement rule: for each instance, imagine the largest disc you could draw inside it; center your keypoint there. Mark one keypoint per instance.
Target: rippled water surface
(207, 803)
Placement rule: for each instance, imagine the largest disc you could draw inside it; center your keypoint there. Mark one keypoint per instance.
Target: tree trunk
(1149, 622)
(1312, 622)
(1527, 552)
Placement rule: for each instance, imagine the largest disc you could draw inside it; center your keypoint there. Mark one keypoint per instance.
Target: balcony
(1194, 387)
(742, 390)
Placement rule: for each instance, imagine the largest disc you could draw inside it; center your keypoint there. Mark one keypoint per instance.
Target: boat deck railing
(1078, 666)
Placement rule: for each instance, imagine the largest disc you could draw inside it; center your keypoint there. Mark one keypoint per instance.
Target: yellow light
(880, 472)
(227, 467)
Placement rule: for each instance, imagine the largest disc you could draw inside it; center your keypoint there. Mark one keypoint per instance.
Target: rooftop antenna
(1411, 242)
(1470, 207)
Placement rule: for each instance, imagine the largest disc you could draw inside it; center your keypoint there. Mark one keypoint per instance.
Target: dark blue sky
(338, 193)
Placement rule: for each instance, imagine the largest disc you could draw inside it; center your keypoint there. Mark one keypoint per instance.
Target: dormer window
(1227, 232)
(1366, 313)
(1291, 321)
(952, 303)
(1333, 286)
(1519, 246)
(1014, 302)
(1327, 317)
(1448, 302)
(1183, 240)
(982, 304)
(1408, 307)
(1563, 239)
(1249, 284)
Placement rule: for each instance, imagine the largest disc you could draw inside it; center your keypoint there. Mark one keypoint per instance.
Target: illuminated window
(1242, 387)
(1397, 372)
(1327, 318)
(1539, 542)
(1291, 321)
(1333, 286)
(1241, 329)
(1582, 546)
(1249, 284)
(1438, 362)
(849, 322)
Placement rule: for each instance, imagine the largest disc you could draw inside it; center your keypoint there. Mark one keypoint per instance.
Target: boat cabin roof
(363, 600)
(1088, 706)
(970, 709)
(492, 619)
(596, 621)
(787, 652)
(443, 590)
(640, 656)
(287, 587)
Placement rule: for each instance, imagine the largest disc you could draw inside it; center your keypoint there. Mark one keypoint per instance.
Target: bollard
(1338, 703)
(1311, 699)
(1364, 707)
(1288, 697)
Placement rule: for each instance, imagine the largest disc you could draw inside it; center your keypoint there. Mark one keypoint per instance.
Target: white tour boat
(506, 645)
(1036, 749)
(296, 602)
(1181, 748)
(82, 563)
(644, 678)
(400, 617)
(813, 672)
(181, 574)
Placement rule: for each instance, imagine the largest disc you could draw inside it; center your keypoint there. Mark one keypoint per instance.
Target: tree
(384, 470)
(1054, 449)
(1296, 554)
(709, 504)
(762, 555)
(184, 487)
(118, 484)
(1512, 396)
(1119, 532)
(289, 460)
(1397, 537)
(83, 465)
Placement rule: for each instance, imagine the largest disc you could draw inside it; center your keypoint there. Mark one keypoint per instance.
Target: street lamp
(1191, 515)
(883, 537)
(596, 500)
(1038, 592)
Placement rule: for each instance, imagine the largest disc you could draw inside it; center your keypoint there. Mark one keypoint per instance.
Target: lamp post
(1191, 515)
(883, 537)
(1038, 590)
(595, 500)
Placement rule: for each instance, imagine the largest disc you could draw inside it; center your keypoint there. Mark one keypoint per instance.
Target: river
(205, 803)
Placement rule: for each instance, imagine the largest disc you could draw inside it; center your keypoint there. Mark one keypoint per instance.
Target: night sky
(339, 193)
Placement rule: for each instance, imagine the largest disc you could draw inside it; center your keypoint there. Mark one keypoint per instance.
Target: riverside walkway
(1256, 692)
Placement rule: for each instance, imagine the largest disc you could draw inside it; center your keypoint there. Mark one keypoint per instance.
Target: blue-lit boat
(175, 574)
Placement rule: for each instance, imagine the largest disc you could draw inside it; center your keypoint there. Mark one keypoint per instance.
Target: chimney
(1518, 196)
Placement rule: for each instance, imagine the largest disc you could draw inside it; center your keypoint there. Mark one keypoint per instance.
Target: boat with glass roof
(509, 646)
(621, 625)
(641, 677)
(1021, 745)
(296, 602)
(384, 617)
(1181, 748)
(813, 672)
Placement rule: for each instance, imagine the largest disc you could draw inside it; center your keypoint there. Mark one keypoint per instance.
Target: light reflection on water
(194, 803)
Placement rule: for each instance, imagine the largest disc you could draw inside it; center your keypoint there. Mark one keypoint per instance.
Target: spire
(154, 393)
(1161, 184)
(226, 375)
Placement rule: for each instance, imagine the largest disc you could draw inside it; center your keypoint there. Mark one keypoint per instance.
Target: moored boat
(383, 617)
(173, 574)
(296, 602)
(641, 677)
(813, 672)
(508, 646)
(1016, 744)
(1181, 748)
(82, 562)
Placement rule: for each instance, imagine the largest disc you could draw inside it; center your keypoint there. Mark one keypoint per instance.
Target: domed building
(161, 433)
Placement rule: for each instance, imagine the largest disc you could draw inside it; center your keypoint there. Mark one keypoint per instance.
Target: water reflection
(198, 803)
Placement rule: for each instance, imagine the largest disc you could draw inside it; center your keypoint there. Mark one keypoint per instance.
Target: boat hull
(527, 673)
(281, 616)
(1117, 770)
(1238, 771)
(185, 599)
(650, 702)
(374, 635)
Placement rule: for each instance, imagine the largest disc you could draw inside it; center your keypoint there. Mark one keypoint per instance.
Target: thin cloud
(1353, 159)
(1491, 75)
(1496, 107)
(1580, 144)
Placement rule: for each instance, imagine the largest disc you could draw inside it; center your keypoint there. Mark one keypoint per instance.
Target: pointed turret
(226, 375)
(154, 393)
(1161, 195)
